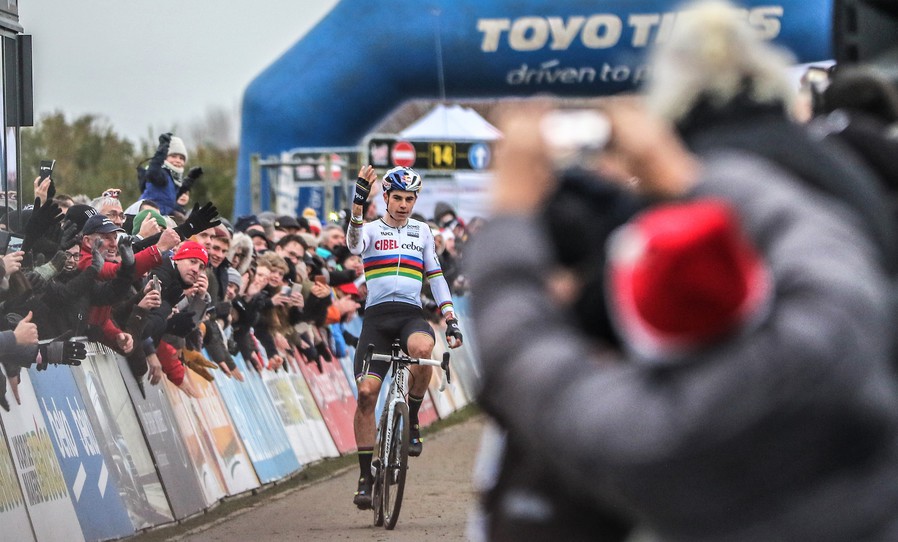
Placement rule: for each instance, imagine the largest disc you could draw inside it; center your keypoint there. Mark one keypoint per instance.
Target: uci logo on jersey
(413, 230)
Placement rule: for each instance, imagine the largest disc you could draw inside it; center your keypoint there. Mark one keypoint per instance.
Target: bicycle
(390, 464)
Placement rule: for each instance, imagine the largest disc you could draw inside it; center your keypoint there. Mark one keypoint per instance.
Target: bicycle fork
(395, 395)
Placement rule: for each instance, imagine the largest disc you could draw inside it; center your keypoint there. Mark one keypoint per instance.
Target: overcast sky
(157, 63)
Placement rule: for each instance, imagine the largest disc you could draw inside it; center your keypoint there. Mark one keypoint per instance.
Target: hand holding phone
(46, 168)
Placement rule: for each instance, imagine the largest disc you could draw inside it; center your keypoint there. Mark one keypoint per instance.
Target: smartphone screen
(46, 168)
(15, 243)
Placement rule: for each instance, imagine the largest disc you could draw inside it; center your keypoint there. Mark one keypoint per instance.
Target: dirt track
(438, 497)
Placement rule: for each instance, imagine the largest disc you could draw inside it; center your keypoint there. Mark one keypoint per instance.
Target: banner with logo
(13, 515)
(211, 414)
(203, 456)
(92, 485)
(334, 398)
(296, 407)
(40, 476)
(465, 369)
(166, 443)
(453, 396)
(258, 423)
(118, 433)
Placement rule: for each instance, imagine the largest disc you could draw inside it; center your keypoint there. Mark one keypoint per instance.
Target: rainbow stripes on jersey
(387, 266)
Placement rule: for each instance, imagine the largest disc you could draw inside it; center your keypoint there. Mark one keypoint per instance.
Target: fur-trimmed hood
(241, 242)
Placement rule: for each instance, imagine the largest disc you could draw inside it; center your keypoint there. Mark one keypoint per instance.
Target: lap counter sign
(403, 154)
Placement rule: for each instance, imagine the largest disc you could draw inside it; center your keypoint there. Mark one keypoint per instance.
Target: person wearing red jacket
(100, 231)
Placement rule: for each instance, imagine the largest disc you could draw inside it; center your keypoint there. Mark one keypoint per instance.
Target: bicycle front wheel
(395, 466)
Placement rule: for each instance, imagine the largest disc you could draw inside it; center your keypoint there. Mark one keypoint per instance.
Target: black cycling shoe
(362, 497)
(416, 443)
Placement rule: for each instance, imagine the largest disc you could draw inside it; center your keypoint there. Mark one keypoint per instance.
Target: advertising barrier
(167, 445)
(298, 412)
(88, 455)
(464, 359)
(334, 398)
(219, 435)
(13, 515)
(86, 465)
(453, 397)
(258, 423)
(203, 457)
(120, 438)
(40, 476)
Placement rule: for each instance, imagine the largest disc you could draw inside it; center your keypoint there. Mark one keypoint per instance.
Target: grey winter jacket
(786, 432)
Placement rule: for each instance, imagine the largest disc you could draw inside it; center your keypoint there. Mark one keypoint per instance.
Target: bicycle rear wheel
(395, 466)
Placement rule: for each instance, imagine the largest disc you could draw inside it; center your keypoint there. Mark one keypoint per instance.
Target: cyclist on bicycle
(398, 252)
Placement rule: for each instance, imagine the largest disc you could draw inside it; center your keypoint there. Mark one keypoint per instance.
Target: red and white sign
(403, 154)
(337, 165)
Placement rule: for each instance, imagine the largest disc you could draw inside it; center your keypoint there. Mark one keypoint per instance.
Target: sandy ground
(437, 503)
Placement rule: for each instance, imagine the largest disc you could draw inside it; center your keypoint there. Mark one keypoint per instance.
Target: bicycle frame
(389, 466)
(395, 393)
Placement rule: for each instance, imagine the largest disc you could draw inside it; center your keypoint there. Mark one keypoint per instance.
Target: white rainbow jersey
(397, 260)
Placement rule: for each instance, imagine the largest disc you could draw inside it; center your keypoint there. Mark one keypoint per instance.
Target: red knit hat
(192, 249)
(681, 276)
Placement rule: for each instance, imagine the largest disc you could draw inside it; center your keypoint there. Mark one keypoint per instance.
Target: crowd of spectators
(174, 290)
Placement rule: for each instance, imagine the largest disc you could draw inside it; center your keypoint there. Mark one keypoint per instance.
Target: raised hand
(26, 331)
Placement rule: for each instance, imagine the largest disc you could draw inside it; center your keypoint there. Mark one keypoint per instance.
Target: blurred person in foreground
(786, 429)
(783, 428)
(723, 87)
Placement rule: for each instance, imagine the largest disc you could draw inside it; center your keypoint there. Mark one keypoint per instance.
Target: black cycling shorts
(382, 324)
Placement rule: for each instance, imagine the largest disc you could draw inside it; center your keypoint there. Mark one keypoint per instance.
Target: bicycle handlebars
(399, 357)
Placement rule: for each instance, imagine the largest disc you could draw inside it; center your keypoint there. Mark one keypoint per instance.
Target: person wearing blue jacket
(163, 180)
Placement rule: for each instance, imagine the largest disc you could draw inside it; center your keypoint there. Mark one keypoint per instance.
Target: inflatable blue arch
(365, 58)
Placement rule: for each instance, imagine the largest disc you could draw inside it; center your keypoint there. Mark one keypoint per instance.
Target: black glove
(199, 219)
(362, 189)
(126, 253)
(70, 235)
(98, 259)
(43, 219)
(194, 173)
(61, 352)
(165, 139)
(171, 293)
(324, 351)
(194, 339)
(189, 180)
(310, 352)
(181, 324)
(223, 310)
(452, 329)
(350, 339)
